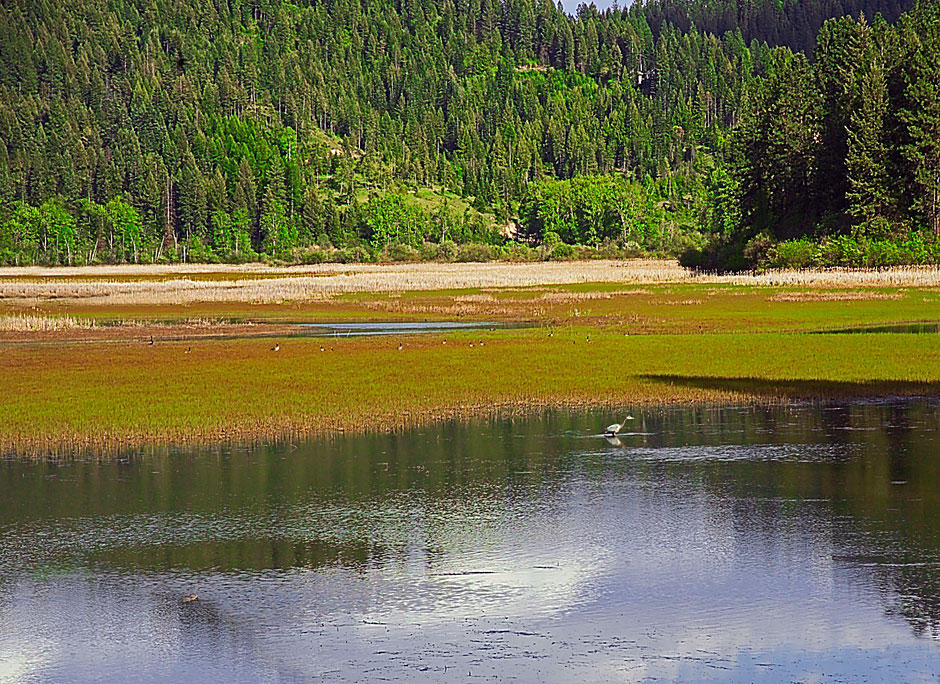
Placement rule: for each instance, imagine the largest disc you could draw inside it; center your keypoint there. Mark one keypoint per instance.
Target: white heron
(612, 430)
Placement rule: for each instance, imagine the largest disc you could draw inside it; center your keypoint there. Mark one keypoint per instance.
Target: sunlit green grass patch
(109, 395)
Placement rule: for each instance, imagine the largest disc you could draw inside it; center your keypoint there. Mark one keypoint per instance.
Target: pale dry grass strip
(901, 276)
(323, 282)
(832, 296)
(475, 299)
(34, 323)
(626, 270)
(560, 297)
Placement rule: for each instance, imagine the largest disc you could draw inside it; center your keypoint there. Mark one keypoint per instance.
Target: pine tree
(866, 156)
(922, 118)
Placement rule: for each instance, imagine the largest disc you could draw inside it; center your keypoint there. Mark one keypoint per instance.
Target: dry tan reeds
(832, 296)
(475, 299)
(901, 276)
(315, 283)
(559, 297)
(35, 323)
(262, 284)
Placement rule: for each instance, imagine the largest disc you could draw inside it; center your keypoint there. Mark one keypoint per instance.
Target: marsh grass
(900, 276)
(658, 335)
(318, 283)
(42, 323)
(108, 396)
(832, 296)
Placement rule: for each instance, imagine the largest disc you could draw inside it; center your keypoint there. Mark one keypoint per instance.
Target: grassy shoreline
(619, 344)
(106, 397)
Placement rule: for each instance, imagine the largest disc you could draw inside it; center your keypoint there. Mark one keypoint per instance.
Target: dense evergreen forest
(733, 132)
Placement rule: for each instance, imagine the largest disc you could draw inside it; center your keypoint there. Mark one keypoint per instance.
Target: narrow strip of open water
(795, 543)
(360, 328)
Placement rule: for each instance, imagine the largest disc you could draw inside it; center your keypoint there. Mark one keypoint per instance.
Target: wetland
(712, 544)
(223, 474)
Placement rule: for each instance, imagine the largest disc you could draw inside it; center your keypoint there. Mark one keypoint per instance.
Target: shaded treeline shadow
(800, 389)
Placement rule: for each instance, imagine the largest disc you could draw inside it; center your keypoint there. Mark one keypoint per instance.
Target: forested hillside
(149, 130)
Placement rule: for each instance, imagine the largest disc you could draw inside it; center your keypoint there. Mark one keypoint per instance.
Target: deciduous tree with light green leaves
(126, 229)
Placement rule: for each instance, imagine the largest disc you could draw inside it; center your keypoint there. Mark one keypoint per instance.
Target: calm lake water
(787, 544)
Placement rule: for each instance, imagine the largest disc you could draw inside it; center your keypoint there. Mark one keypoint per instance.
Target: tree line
(161, 129)
(843, 147)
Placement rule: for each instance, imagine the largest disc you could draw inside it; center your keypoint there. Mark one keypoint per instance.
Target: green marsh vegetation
(593, 344)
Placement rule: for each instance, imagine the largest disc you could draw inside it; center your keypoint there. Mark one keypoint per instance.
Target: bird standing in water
(612, 430)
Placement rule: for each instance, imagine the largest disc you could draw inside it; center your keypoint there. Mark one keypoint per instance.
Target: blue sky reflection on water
(743, 545)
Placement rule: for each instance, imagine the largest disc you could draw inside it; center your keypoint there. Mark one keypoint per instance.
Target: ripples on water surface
(734, 545)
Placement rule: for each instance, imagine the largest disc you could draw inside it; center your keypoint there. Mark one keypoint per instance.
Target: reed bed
(900, 276)
(630, 270)
(832, 296)
(324, 282)
(580, 296)
(41, 323)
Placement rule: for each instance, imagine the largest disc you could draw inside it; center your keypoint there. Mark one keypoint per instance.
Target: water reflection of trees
(885, 498)
(910, 574)
(478, 469)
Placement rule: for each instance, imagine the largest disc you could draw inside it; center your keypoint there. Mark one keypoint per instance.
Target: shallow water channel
(783, 544)
(366, 328)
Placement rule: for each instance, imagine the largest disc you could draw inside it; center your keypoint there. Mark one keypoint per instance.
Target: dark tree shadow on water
(801, 389)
